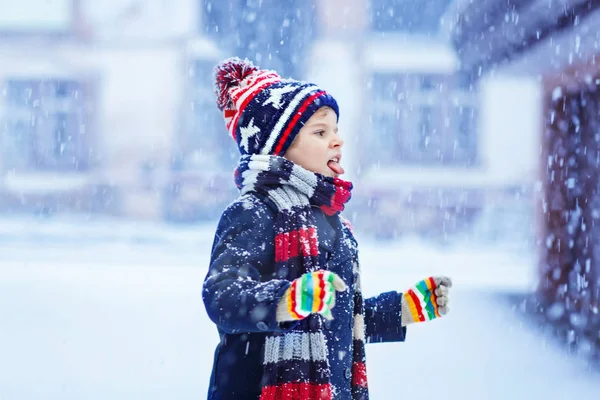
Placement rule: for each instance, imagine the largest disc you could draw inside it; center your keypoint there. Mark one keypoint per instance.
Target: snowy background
(106, 309)
(115, 166)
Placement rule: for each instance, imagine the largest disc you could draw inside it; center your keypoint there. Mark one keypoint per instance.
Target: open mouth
(334, 165)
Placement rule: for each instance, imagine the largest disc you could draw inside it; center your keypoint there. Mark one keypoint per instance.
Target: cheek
(300, 155)
(316, 154)
(310, 154)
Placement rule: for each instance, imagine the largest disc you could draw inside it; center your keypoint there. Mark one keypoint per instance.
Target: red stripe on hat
(292, 123)
(251, 82)
(253, 93)
(228, 114)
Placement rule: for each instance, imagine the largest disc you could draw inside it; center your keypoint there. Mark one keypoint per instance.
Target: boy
(283, 285)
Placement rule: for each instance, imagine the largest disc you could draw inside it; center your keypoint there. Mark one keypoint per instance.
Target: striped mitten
(427, 300)
(313, 292)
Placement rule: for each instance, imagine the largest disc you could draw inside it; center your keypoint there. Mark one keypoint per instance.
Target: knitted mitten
(427, 300)
(313, 292)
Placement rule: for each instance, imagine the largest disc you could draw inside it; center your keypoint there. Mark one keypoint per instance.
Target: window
(204, 141)
(46, 124)
(464, 142)
(414, 16)
(422, 119)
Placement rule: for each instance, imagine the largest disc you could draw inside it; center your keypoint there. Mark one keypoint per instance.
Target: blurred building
(547, 52)
(427, 153)
(95, 99)
(108, 107)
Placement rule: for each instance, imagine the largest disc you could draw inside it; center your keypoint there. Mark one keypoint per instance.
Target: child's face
(318, 147)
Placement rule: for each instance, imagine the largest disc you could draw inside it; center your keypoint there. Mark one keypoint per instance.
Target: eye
(320, 133)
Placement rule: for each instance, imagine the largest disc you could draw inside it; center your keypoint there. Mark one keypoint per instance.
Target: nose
(337, 141)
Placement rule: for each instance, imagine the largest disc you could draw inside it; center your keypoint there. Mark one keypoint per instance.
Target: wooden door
(570, 214)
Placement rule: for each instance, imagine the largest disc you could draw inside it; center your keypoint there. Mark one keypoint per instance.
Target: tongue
(335, 167)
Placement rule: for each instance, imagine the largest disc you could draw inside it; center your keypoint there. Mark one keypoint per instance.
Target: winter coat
(242, 289)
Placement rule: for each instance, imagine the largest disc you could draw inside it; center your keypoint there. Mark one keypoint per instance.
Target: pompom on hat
(263, 112)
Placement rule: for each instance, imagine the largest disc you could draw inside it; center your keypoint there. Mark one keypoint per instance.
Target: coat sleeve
(241, 289)
(382, 318)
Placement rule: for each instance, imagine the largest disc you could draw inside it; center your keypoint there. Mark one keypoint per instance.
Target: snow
(144, 20)
(43, 183)
(409, 176)
(103, 309)
(203, 48)
(482, 350)
(35, 15)
(410, 53)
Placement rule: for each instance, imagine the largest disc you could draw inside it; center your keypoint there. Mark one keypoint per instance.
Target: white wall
(510, 126)
(341, 76)
(140, 94)
(36, 15)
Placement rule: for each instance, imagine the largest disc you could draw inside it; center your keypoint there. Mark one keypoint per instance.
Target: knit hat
(263, 112)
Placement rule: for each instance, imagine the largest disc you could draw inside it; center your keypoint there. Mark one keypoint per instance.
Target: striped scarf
(295, 362)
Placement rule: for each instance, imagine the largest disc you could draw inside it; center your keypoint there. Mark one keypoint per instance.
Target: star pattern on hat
(275, 95)
(246, 133)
